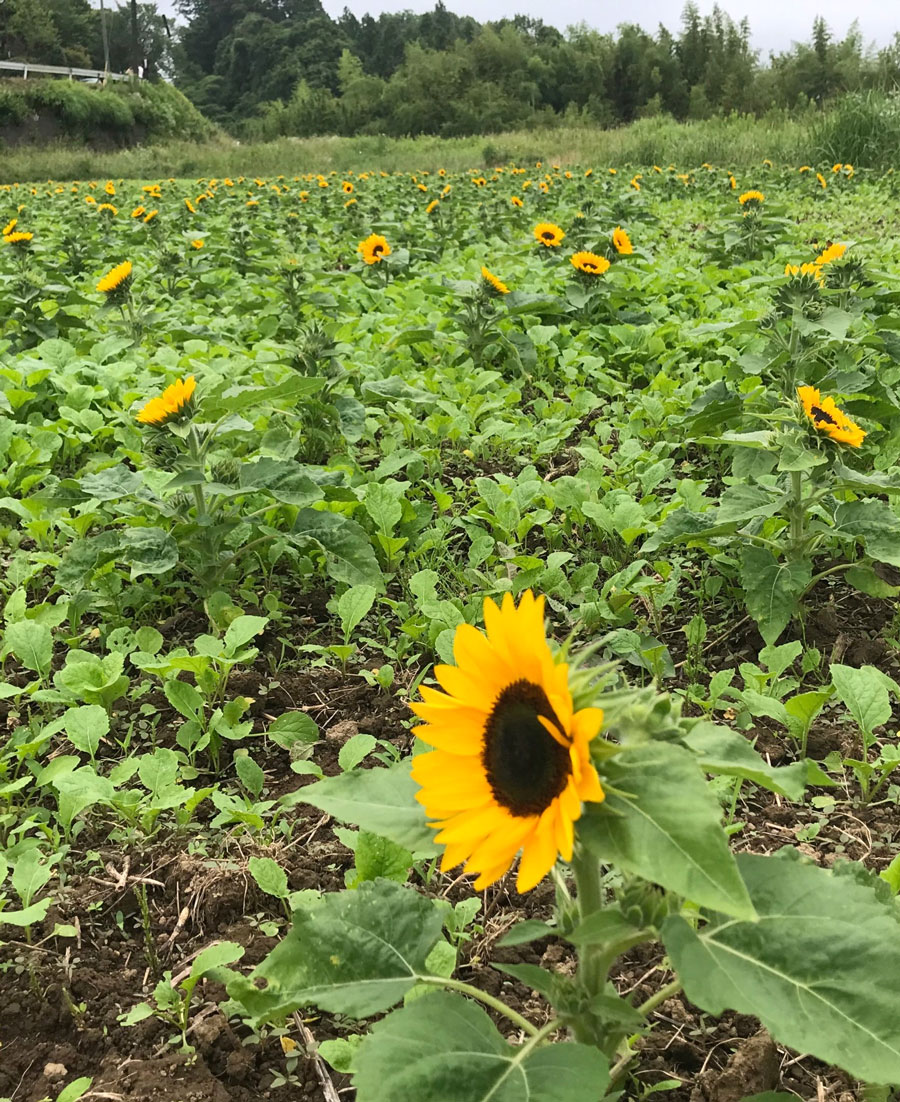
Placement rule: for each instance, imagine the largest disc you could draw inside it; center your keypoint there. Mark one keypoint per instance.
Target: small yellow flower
(117, 280)
(515, 200)
(374, 249)
(9, 227)
(138, 212)
(432, 206)
(836, 168)
(190, 206)
(804, 168)
(622, 242)
(197, 243)
(549, 235)
(347, 187)
(150, 215)
(493, 285)
(107, 208)
(174, 402)
(767, 162)
(303, 196)
(823, 183)
(834, 252)
(350, 203)
(827, 418)
(589, 264)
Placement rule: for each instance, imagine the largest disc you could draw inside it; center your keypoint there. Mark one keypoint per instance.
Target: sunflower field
(450, 636)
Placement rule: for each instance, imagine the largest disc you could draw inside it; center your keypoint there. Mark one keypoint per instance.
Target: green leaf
(269, 876)
(27, 916)
(875, 524)
(355, 750)
(442, 1047)
(348, 552)
(866, 692)
(86, 726)
(74, 1090)
(864, 578)
(661, 821)
(216, 956)
(383, 506)
(32, 643)
(382, 801)
(353, 605)
(354, 952)
(241, 630)
(530, 929)
(249, 773)
(78, 791)
(284, 479)
(820, 968)
(377, 856)
(147, 551)
(184, 698)
(772, 589)
(290, 728)
(159, 770)
(721, 750)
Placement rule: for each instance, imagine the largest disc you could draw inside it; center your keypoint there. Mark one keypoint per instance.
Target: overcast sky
(774, 23)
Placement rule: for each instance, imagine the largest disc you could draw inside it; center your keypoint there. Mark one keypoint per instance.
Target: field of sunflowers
(450, 636)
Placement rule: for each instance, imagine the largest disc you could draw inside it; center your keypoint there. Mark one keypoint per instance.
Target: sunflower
(198, 243)
(635, 183)
(834, 252)
(804, 168)
(150, 215)
(837, 167)
(117, 281)
(823, 183)
(732, 182)
(515, 200)
(190, 206)
(18, 239)
(347, 187)
(432, 206)
(511, 762)
(374, 249)
(9, 227)
(492, 284)
(174, 402)
(827, 418)
(622, 242)
(590, 264)
(107, 208)
(810, 270)
(350, 203)
(754, 198)
(549, 235)
(138, 212)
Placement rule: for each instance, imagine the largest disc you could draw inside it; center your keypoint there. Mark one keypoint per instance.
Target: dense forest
(264, 68)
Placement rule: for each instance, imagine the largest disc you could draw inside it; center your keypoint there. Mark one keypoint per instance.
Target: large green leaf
(721, 750)
(661, 821)
(875, 524)
(382, 801)
(772, 589)
(148, 551)
(32, 643)
(355, 952)
(443, 1047)
(284, 479)
(820, 969)
(866, 692)
(348, 552)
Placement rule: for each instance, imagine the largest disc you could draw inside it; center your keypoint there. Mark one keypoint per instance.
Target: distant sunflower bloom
(827, 418)
(622, 242)
(810, 270)
(751, 199)
(836, 168)
(374, 249)
(635, 183)
(150, 215)
(107, 208)
(138, 212)
(834, 252)
(347, 187)
(422, 187)
(548, 235)
(9, 227)
(804, 168)
(174, 403)
(589, 264)
(303, 196)
(492, 284)
(511, 764)
(432, 206)
(19, 239)
(350, 203)
(190, 206)
(515, 200)
(732, 182)
(479, 181)
(117, 281)
(823, 183)
(110, 188)
(767, 162)
(198, 243)
(252, 203)
(544, 186)
(590, 172)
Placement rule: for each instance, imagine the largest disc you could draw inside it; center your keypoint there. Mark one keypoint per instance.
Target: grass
(735, 141)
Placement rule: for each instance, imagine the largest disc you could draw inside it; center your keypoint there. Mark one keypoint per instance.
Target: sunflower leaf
(378, 800)
(721, 750)
(661, 821)
(839, 1007)
(353, 952)
(443, 1046)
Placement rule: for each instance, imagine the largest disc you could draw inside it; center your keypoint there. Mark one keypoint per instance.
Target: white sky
(774, 24)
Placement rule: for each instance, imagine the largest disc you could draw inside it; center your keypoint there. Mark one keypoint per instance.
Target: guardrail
(23, 68)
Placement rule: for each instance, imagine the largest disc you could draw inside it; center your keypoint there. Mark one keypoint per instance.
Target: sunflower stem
(797, 512)
(593, 960)
(489, 1000)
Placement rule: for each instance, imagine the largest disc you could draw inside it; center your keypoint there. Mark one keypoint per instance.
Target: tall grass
(735, 141)
(862, 128)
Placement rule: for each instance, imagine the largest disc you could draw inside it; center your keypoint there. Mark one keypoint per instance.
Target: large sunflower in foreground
(374, 249)
(511, 762)
(827, 418)
(548, 234)
(174, 402)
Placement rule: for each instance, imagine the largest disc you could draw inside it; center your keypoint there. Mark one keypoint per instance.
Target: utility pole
(105, 34)
(135, 42)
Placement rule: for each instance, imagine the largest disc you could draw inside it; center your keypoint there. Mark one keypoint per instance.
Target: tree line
(264, 68)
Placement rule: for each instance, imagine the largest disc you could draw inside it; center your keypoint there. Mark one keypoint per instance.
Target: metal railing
(23, 68)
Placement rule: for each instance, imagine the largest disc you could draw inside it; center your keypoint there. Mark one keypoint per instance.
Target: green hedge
(122, 112)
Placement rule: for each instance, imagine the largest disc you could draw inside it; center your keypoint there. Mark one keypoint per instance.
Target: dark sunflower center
(377, 250)
(548, 235)
(821, 415)
(525, 766)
